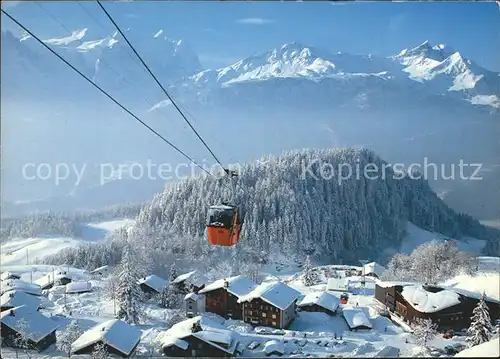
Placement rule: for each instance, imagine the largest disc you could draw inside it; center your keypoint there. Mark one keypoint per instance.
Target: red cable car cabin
(223, 225)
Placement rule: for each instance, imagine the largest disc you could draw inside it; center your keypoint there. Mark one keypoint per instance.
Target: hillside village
(326, 311)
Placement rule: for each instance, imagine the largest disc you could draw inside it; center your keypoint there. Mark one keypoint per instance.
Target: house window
(263, 315)
(274, 316)
(249, 312)
(274, 323)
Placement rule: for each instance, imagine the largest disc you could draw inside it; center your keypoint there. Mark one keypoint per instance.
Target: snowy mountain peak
(158, 34)
(76, 35)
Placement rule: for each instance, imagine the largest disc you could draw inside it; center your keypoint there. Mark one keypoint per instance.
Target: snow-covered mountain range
(440, 68)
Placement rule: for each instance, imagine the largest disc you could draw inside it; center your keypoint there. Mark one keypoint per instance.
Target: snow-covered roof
(16, 298)
(193, 277)
(470, 294)
(428, 302)
(489, 349)
(374, 268)
(388, 284)
(337, 284)
(221, 206)
(115, 333)
(211, 333)
(9, 275)
(273, 346)
(78, 287)
(388, 352)
(276, 293)
(238, 285)
(356, 318)
(27, 321)
(154, 282)
(171, 341)
(323, 299)
(192, 296)
(48, 279)
(20, 285)
(99, 270)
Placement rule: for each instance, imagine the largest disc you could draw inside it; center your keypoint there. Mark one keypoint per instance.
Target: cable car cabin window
(220, 217)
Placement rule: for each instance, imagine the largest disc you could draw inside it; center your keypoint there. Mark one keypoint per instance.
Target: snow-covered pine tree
(308, 278)
(424, 330)
(100, 352)
(173, 273)
(480, 329)
(129, 295)
(67, 337)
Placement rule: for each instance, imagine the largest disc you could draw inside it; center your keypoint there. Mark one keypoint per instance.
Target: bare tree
(100, 351)
(424, 330)
(67, 337)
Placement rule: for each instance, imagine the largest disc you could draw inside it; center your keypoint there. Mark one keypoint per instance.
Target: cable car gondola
(223, 225)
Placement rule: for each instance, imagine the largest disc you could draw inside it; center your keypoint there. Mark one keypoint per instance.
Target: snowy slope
(17, 252)
(417, 236)
(488, 349)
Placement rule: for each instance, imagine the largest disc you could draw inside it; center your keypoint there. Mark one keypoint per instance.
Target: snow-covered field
(22, 251)
(417, 236)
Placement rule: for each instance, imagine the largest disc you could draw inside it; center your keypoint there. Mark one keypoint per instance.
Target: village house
(270, 304)
(373, 269)
(356, 319)
(449, 308)
(190, 282)
(38, 331)
(15, 298)
(221, 296)
(152, 284)
(78, 287)
(194, 304)
(335, 284)
(319, 302)
(20, 285)
(118, 337)
(9, 275)
(198, 337)
(101, 271)
(51, 279)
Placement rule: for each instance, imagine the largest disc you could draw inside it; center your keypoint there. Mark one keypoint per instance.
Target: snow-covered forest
(64, 224)
(285, 213)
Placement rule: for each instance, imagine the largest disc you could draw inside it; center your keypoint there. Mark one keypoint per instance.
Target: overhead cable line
(104, 92)
(148, 101)
(161, 86)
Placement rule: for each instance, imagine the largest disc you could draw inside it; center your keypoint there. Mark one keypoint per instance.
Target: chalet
(198, 337)
(16, 298)
(373, 269)
(101, 271)
(37, 330)
(9, 275)
(449, 308)
(152, 284)
(20, 285)
(270, 304)
(51, 279)
(356, 319)
(120, 338)
(190, 282)
(337, 284)
(319, 302)
(221, 296)
(78, 287)
(194, 304)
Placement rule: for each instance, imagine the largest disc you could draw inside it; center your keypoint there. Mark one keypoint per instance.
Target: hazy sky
(222, 33)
